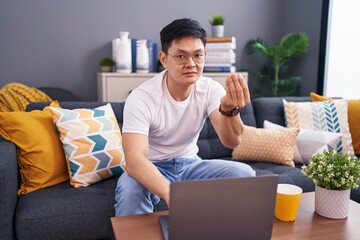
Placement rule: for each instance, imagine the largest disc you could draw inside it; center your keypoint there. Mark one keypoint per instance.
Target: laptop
(236, 208)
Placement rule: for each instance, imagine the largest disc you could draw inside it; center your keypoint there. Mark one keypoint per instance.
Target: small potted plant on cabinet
(107, 64)
(217, 25)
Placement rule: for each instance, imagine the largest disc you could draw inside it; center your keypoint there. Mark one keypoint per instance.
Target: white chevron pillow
(330, 116)
(92, 143)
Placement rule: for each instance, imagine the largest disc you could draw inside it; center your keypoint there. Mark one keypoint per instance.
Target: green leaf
(295, 45)
(278, 57)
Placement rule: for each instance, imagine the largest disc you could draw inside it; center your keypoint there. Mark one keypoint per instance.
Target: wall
(305, 16)
(59, 43)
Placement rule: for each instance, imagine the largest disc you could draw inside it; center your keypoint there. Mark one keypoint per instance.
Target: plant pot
(106, 68)
(332, 204)
(217, 30)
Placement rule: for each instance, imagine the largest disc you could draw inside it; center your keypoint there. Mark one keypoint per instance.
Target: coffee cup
(287, 202)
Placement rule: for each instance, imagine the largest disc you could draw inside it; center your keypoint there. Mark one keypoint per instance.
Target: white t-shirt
(172, 127)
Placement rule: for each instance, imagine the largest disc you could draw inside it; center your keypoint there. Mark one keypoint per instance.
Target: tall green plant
(278, 57)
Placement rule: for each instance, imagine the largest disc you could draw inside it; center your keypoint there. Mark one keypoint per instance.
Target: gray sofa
(64, 212)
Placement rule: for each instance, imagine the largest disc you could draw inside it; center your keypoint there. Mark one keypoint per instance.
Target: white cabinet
(115, 87)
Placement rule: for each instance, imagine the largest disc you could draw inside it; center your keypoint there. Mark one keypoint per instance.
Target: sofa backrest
(209, 143)
(272, 109)
(210, 146)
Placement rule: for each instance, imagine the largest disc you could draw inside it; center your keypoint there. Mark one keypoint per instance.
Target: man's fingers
(237, 90)
(245, 88)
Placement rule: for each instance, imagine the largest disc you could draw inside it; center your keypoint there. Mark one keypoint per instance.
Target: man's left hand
(237, 93)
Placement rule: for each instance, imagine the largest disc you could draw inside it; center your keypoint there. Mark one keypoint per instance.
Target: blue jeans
(132, 198)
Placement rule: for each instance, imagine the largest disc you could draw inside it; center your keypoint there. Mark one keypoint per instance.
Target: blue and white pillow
(329, 116)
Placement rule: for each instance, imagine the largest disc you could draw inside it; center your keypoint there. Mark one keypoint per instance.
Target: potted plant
(107, 64)
(278, 57)
(334, 174)
(217, 25)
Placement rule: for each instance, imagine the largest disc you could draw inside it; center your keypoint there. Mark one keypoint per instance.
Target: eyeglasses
(182, 59)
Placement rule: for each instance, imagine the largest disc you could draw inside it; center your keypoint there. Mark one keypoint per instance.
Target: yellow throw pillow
(353, 118)
(267, 145)
(40, 154)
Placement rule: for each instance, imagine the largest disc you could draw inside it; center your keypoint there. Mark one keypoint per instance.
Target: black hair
(180, 28)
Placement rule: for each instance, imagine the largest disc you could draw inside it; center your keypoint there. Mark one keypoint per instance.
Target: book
(220, 68)
(225, 56)
(220, 60)
(212, 64)
(220, 46)
(220, 39)
(221, 54)
(153, 53)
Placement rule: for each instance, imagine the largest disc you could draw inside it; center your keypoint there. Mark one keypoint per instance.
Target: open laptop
(236, 208)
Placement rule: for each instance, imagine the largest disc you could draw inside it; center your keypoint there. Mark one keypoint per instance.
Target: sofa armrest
(8, 188)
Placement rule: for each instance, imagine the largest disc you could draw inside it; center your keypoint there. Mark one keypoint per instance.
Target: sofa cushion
(118, 108)
(287, 174)
(65, 212)
(272, 109)
(41, 164)
(309, 142)
(92, 143)
(353, 118)
(260, 144)
(322, 116)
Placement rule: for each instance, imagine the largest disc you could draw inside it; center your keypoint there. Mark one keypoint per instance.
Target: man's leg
(206, 169)
(132, 198)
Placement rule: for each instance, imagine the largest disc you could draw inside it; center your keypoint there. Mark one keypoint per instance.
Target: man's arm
(141, 168)
(229, 129)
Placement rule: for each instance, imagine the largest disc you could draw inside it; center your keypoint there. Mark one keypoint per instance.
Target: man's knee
(237, 169)
(126, 185)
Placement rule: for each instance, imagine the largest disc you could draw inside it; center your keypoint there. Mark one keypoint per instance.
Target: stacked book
(221, 55)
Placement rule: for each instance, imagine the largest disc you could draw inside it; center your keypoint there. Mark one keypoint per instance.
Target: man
(164, 116)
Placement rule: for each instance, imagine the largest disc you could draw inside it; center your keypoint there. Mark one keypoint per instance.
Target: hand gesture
(237, 93)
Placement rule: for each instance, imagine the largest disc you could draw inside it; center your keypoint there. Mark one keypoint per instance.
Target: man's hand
(237, 93)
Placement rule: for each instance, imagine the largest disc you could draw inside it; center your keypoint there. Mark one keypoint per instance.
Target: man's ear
(162, 58)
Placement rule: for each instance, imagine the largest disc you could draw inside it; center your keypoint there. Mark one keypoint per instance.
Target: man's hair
(179, 28)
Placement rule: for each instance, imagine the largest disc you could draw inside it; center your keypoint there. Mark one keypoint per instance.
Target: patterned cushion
(258, 144)
(92, 143)
(40, 155)
(353, 118)
(309, 142)
(328, 116)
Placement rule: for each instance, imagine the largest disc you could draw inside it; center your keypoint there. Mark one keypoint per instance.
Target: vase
(142, 56)
(332, 204)
(123, 54)
(217, 30)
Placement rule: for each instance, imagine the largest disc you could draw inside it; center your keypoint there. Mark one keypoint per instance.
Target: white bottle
(123, 54)
(142, 56)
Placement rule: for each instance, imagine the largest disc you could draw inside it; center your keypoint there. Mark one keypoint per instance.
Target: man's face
(183, 61)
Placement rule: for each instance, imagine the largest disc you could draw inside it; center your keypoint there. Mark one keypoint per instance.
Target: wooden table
(308, 224)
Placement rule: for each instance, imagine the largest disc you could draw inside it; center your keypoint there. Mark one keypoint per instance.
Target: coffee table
(308, 224)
